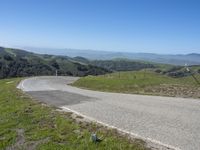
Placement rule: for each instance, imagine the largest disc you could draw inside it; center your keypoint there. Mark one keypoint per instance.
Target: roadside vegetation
(143, 82)
(29, 124)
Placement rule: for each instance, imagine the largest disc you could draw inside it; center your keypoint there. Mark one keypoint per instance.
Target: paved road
(171, 121)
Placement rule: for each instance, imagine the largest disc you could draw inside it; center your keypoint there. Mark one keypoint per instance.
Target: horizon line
(26, 48)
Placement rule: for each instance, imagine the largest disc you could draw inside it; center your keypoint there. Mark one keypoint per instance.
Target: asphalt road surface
(173, 122)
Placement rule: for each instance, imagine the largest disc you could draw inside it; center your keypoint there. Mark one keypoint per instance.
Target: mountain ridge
(173, 59)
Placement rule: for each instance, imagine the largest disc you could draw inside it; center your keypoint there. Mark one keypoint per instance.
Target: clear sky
(156, 26)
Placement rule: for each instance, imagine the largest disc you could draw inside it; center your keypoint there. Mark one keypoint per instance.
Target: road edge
(150, 142)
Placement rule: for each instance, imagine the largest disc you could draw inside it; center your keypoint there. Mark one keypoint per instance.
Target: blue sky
(155, 26)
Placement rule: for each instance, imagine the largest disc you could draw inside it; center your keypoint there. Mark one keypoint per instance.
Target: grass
(28, 124)
(142, 82)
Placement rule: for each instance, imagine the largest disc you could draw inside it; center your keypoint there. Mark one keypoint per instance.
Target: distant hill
(120, 64)
(17, 63)
(131, 65)
(190, 59)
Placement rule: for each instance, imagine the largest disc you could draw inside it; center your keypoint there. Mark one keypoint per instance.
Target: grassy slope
(26, 124)
(142, 82)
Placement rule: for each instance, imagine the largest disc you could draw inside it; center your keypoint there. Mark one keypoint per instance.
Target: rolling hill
(132, 65)
(118, 64)
(178, 59)
(19, 63)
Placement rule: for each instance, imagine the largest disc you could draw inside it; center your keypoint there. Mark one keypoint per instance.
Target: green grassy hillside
(142, 82)
(122, 64)
(18, 63)
(28, 124)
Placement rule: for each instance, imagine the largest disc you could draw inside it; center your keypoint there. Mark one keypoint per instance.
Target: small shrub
(177, 74)
(198, 71)
(158, 71)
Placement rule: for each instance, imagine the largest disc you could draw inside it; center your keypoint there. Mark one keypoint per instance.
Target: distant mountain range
(179, 59)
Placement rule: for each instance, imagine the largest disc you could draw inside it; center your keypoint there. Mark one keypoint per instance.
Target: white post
(56, 72)
(188, 70)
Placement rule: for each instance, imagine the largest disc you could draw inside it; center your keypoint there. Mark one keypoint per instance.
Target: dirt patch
(20, 140)
(174, 90)
(22, 144)
(33, 144)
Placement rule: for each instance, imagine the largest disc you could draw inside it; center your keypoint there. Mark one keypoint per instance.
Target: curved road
(173, 122)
